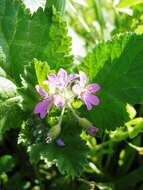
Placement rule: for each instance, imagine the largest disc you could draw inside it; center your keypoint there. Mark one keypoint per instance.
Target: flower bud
(88, 126)
(92, 131)
(83, 122)
(54, 132)
(60, 142)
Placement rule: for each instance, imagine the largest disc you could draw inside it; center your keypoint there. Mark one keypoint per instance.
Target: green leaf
(12, 119)
(58, 4)
(131, 111)
(8, 95)
(139, 29)
(2, 58)
(129, 180)
(33, 5)
(42, 69)
(70, 159)
(27, 91)
(10, 113)
(7, 163)
(34, 73)
(128, 3)
(2, 72)
(23, 37)
(117, 66)
(2, 63)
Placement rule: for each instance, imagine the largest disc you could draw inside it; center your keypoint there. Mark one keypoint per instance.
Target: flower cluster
(63, 89)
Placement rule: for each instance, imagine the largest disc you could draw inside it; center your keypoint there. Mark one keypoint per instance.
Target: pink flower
(63, 88)
(59, 101)
(85, 92)
(43, 106)
(61, 80)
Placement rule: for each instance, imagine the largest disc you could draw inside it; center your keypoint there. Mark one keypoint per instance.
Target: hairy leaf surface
(116, 66)
(23, 37)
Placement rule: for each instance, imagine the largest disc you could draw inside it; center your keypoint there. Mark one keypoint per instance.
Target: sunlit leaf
(128, 3)
(24, 37)
(116, 66)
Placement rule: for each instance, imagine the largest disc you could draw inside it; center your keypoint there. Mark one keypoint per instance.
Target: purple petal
(93, 99)
(59, 102)
(73, 76)
(88, 104)
(41, 91)
(62, 78)
(92, 88)
(85, 97)
(76, 89)
(62, 74)
(90, 100)
(42, 108)
(92, 131)
(83, 78)
(52, 78)
(60, 142)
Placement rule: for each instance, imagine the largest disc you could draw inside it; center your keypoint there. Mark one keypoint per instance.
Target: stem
(61, 117)
(99, 14)
(74, 113)
(81, 20)
(84, 181)
(108, 161)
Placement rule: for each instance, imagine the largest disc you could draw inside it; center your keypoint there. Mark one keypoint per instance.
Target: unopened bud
(60, 142)
(88, 126)
(83, 122)
(92, 131)
(54, 132)
(141, 151)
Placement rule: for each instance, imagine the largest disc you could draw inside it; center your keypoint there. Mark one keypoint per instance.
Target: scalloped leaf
(27, 91)
(70, 159)
(23, 37)
(117, 65)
